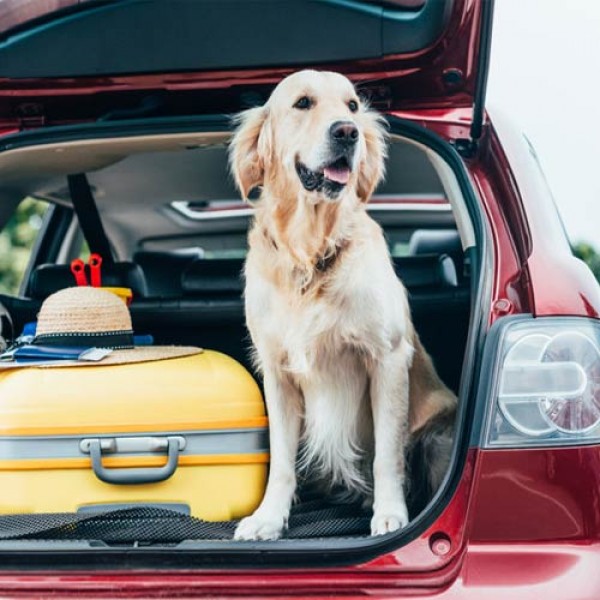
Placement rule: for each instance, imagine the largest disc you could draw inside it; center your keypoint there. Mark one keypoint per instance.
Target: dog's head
(314, 137)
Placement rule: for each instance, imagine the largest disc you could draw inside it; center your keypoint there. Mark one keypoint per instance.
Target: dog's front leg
(389, 403)
(270, 518)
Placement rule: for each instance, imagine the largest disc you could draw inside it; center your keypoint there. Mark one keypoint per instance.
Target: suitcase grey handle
(128, 476)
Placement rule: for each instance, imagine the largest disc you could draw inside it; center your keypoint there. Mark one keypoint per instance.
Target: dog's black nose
(344, 133)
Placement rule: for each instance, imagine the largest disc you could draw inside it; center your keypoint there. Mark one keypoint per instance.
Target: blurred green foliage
(590, 256)
(16, 240)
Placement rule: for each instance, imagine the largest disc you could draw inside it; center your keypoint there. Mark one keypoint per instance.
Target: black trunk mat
(312, 519)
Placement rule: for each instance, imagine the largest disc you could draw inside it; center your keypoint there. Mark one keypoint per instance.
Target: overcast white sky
(545, 74)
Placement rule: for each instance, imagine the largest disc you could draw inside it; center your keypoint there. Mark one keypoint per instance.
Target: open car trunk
(124, 93)
(169, 209)
(66, 61)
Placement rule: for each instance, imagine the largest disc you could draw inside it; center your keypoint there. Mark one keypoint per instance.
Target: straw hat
(93, 317)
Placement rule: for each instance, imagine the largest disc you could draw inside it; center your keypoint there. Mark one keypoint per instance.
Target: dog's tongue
(337, 174)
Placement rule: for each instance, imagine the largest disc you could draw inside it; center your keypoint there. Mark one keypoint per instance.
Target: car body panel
(521, 523)
(537, 495)
(443, 74)
(560, 283)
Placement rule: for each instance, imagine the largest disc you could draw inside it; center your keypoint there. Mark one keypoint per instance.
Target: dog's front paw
(257, 527)
(387, 521)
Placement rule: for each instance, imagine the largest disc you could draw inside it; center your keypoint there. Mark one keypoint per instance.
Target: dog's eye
(353, 105)
(303, 103)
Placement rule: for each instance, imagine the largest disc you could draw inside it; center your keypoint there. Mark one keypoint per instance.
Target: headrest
(426, 271)
(48, 279)
(435, 241)
(213, 276)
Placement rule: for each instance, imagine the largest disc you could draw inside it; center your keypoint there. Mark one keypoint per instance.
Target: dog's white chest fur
(327, 354)
(363, 307)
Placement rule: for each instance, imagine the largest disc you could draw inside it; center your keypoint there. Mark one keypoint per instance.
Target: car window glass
(16, 242)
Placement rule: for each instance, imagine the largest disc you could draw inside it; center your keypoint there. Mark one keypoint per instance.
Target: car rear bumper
(490, 571)
(527, 571)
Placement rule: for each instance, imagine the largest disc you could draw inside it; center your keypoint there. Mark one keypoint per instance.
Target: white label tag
(95, 354)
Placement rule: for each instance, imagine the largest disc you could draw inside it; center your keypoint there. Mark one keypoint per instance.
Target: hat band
(117, 340)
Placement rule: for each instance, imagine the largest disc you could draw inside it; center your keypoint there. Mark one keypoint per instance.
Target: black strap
(117, 340)
(89, 217)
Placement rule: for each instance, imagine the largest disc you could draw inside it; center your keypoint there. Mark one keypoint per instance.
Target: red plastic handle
(95, 270)
(78, 270)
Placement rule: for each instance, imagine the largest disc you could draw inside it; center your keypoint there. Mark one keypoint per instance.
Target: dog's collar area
(270, 239)
(326, 261)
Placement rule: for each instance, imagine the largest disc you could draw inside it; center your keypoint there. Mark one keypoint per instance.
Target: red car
(137, 94)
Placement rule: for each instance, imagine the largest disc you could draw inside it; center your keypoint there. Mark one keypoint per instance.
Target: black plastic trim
(56, 222)
(483, 66)
(88, 216)
(155, 36)
(283, 553)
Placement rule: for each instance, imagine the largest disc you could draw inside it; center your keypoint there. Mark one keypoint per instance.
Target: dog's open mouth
(338, 171)
(331, 179)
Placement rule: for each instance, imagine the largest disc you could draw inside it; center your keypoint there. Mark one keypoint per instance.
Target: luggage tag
(28, 353)
(26, 337)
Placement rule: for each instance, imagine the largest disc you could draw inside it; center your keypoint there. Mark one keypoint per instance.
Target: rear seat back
(47, 279)
(223, 277)
(426, 271)
(164, 270)
(212, 277)
(210, 310)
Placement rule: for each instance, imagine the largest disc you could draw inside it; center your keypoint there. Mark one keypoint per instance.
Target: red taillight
(546, 383)
(578, 412)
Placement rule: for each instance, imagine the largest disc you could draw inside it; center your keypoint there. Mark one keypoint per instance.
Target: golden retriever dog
(345, 377)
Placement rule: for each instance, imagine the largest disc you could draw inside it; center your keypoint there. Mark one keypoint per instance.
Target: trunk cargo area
(179, 237)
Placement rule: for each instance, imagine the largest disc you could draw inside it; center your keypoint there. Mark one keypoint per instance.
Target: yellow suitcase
(187, 431)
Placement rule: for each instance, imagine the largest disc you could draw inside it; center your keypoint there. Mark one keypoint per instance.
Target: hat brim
(138, 354)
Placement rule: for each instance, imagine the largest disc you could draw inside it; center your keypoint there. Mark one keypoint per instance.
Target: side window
(16, 243)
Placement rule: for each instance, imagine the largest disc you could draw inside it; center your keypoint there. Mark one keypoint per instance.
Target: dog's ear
(372, 169)
(250, 149)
